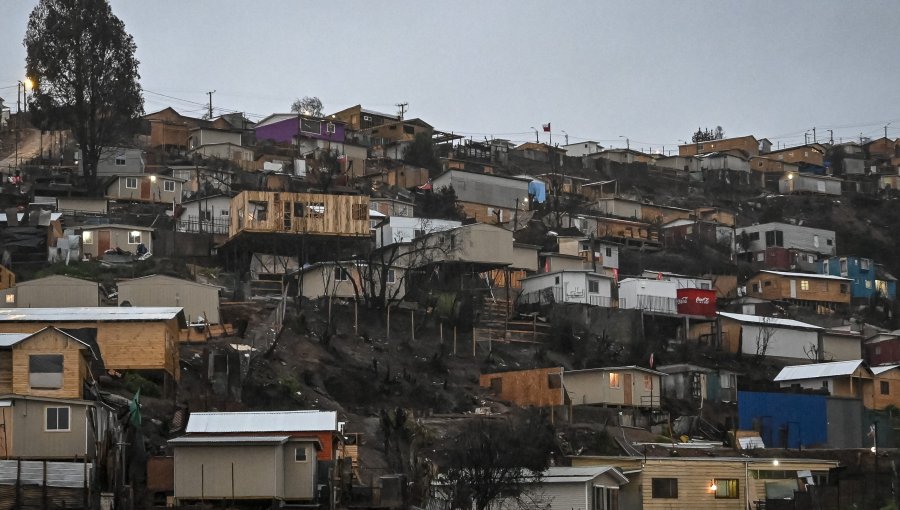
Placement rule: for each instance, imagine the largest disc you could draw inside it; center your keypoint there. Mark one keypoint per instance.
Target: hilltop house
(866, 281)
(759, 336)
(117, 161)
(208, 214)
(96, 239)
(784, 246)
(149, 188)
(568, 286)
(749, 145)
(877, 387)
(52, 291)
(199, 300)
(695, 383)
(486, 198)
(806, 183)
(823, 293)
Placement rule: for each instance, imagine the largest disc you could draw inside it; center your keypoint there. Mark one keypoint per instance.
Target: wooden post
(355, 317)
(454, 340)
(387, 333)
(473, 342)
(18, 482)
(412, 322)
(44, 486)
(534, 327)
(441, 328)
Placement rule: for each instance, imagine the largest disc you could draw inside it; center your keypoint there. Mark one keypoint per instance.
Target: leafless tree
(764, 334)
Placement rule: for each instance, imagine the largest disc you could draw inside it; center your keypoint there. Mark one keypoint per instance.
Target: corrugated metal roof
(267, 421)
(809, 275)
(11, 339)
(201, 440)
(770, 321)
(615, 369)
(59, 474)
(581, 474)
(92, 313)
(818, 370)
(883, 368)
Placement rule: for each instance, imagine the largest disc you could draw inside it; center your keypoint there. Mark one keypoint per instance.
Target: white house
(401, 229)
(836, 377)
(568, 286)
(784, 338)
(649, 295)
(117, 161)
(581, 488)
(207, 214)
(580, 149)
(681, 281)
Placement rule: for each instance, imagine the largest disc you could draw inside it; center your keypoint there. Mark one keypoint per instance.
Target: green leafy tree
(308, 105)
(86, 75)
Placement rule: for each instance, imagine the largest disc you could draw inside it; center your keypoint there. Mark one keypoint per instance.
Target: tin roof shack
(662, 483)
(883, 348)
(822, 293)
(851, 379)
(659, 296)
(55, 291)
(840, 343)
(97, 239)
(804, 183)
(199, 301)
(886, 390)
(633, 209)
(130, 338)
(149, 188)
(47, 363)
(693, 234)
(277, 456)
(569, 286)
(696, 383)
(486, 198)
(748, 144)
(351, 280)
(52, 428)
(539, 387)
(630, 386)
(759, 336)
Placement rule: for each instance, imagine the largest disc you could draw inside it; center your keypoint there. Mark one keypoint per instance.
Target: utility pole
(831, 137)
(814, 135)
(403, 107)
(885, 130)
(806, 138)
(210, 93)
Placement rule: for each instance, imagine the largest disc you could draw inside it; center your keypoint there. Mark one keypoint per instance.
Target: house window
(825, 267)
(756, 287)
(224, 212)
(120, 160)
(760, 257)
(704, 285)
(609, 252)
(45, 371)
(554, 381)
(829, 242)
(810, 259)
(664, 488)
(804, 284)
(310, 126)
(556, 280)
(134, 237)
(754, 236)
(843, 267)
(726, 488)
(767, 283)
(648, 382)
(206, 215)
(816, 241)
(87, 237)
(10, 299)
(341, 275)
(869, 284)
(169, 186)
(885, 388)
(606, 499)
(775, 238)
(593, 286)
(330, 127)
(843, 288)
(56, 419)
(300, 454)
(391, 276)
(220, 363)
(131, 183)
(497, 384)
(613, 379)
(259, 211)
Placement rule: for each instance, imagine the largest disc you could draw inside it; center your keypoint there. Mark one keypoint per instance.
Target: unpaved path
(29, 147)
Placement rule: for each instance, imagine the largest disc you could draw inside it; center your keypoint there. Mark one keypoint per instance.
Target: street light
(26, 84)
(627, 142)
(537, 138)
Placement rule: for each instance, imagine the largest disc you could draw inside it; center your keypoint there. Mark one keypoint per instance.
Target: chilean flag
(546, 127)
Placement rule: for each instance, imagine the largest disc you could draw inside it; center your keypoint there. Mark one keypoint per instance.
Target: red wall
(696, 302)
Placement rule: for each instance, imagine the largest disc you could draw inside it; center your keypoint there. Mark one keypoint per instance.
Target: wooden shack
(130, 338)
(299, 213)
(54, 291)
(48, 363)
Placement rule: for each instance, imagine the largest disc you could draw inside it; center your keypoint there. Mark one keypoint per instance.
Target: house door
(793, 289)
(102, 242)
(145, 189)
(629, 390)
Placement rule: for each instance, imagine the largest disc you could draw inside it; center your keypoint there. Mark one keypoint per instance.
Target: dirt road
(29, 147)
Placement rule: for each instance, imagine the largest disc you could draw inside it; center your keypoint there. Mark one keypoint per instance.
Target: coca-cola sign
(696, 302)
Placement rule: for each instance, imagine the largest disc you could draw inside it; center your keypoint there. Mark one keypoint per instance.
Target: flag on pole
(134, 409)
(546, 127)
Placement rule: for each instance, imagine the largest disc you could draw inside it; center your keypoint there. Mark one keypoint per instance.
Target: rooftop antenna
(403, 107)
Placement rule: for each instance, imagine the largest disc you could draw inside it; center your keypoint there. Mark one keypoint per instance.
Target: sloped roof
(262, 421)
(818, 370)
(57, 279)
(161, 279)
(581, 474)
(11, 339)
(808, 275)
(616, 369)
(882, 369)
(768, 321)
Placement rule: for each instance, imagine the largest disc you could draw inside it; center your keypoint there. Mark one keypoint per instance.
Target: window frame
(391, 277)
(615, 380)
(140, 237)
(68, 418)
(340, 274)
(131, 179)
(593, 286)
(884, 388)
(166, 184)
(298, 449)
(87, 237)
(727, 484)
(660, 491)
(61, 358)
(121, 160)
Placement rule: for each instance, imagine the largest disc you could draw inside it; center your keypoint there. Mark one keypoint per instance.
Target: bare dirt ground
(29, 146)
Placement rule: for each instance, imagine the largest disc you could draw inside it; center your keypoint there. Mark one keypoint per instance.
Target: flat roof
(90, 314)
(263, 421)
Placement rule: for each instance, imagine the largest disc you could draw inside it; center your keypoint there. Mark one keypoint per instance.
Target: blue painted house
(869, 279)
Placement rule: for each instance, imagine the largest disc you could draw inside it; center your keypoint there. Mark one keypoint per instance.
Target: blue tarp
(538, 190)
(785, 420)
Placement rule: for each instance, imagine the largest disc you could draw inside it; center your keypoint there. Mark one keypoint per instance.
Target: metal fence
(651, 304)
(208, 226)
(551, 295)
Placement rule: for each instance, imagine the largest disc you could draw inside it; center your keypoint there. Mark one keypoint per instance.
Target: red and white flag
(546, 127)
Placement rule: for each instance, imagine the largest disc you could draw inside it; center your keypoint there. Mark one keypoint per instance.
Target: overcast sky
(651, 71)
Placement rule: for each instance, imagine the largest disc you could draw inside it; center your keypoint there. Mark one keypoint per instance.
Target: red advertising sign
(696, 302)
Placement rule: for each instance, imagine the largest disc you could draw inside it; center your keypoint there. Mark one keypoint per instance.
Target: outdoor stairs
(494, 325)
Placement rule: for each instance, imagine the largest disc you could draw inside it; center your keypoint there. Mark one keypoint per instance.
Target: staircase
(494, 325)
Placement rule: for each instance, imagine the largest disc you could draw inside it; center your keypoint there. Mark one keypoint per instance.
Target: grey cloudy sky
(652, 71)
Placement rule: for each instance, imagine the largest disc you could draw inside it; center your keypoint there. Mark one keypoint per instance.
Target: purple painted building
(284, 128)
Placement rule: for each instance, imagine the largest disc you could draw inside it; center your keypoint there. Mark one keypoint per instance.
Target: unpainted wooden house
(130, 338)
(877, 387)
(823, 293)
(299, 213)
